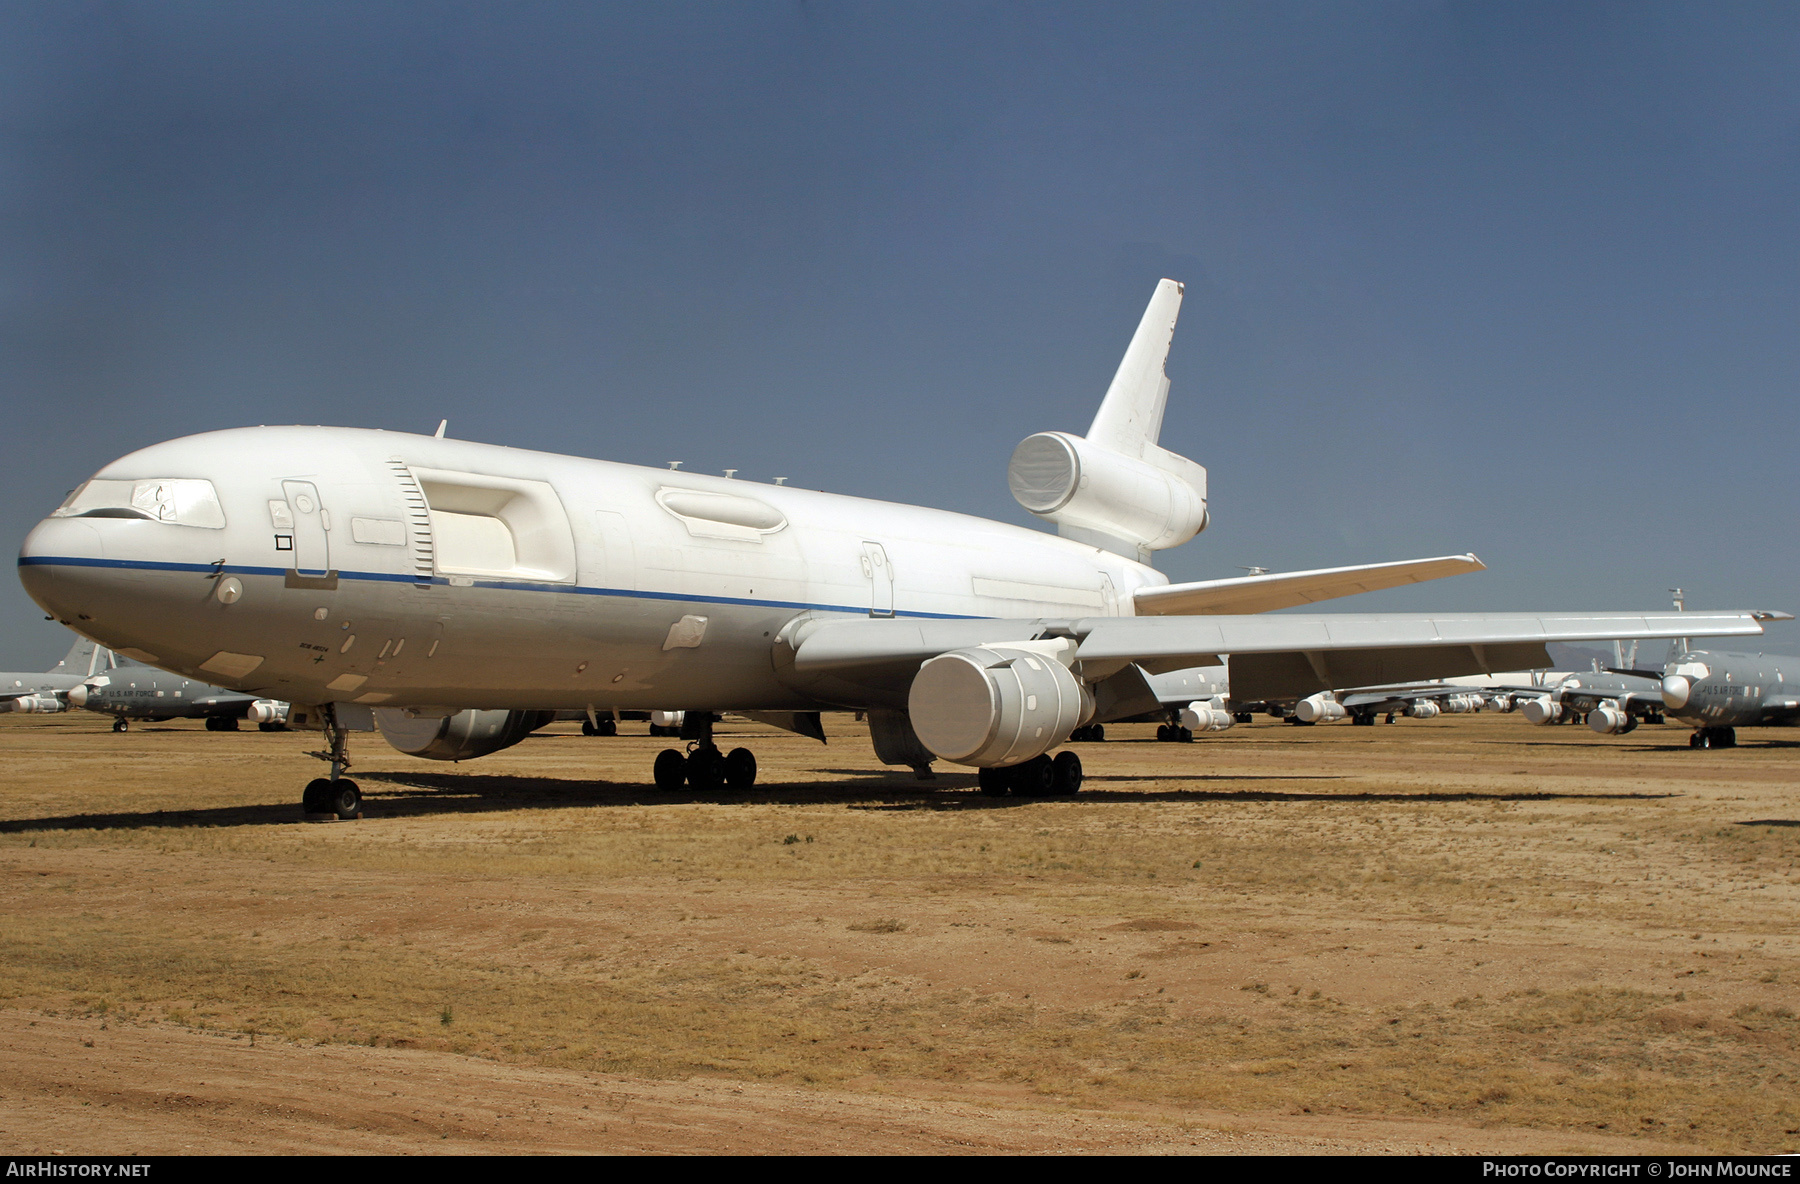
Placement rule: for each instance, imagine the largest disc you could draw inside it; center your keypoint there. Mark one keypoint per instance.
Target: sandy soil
(1455, 935)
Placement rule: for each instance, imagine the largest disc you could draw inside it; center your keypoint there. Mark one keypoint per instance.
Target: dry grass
(1471, 920)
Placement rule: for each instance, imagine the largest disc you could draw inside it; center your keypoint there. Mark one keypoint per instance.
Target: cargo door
(311, 530)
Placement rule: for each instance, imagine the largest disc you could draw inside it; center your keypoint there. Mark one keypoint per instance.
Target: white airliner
(451, 593)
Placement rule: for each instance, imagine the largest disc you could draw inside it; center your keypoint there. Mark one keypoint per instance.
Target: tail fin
(1131, 415)
(1116, 488)
(84, 659)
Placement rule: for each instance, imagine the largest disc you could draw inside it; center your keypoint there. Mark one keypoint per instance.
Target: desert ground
(1454, 935)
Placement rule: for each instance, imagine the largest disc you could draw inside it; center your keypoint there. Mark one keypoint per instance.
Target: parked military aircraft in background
(450, 593)
(49, 692)
(129, 692)
(1718, 692)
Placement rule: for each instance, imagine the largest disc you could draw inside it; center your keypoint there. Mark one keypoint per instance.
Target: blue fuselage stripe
(378, 577)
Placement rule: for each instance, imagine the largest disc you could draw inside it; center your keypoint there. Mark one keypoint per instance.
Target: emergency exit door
(881, 580)
(311, 530)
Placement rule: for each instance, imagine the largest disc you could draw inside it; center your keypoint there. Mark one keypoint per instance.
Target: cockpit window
(184, 501)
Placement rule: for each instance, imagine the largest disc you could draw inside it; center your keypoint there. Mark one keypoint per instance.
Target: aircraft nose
(61, 559)
(1675, 690)
(78, 696)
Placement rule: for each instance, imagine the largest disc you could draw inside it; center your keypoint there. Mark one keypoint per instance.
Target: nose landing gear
(336, 796)
(121, 724)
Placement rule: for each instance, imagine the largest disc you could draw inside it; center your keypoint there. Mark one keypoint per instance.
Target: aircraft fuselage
(319, 565)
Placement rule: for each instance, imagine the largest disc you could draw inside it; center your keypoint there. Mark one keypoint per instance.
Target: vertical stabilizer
(1131, 415)
(83, 659)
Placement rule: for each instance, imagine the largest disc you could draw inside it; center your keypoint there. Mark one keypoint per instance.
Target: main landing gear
(334, 796)
(703, 766)
(221, 723)
(605, 727)
(1088, 734)
(1174, 734)
(1713, 738)
(1039, 777)
(121, 724)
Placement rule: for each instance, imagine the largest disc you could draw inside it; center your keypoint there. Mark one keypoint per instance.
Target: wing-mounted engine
(993, 706)
(459, 737)
(1116, 488)
(40, 704)
(1320, 709)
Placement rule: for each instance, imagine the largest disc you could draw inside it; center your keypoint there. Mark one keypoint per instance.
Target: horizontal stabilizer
(1264, 593)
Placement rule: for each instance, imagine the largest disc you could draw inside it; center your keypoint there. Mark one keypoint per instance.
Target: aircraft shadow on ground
(424, 795)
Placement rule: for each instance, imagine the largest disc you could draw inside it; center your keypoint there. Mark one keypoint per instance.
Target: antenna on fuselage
(674, 464)
(439, 434)
(1680, 607)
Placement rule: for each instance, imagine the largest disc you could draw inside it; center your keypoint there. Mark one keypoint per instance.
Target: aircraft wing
(1270, 657)
(1265, 593)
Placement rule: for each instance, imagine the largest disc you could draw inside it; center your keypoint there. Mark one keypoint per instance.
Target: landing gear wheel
(1362, 720)
(317, 797)
(740, 768)
(588, 728)
(121, 725)
(213, 722)
(608, 727)
(1162, 733)
(1065, 774)
(706, 769)
(1727, 738)
(273, 725)
(1698, 739)
(1034, 778)
(345, 800)
(671, 769)
(1184, 735)
(994, 782)
(1244, 717)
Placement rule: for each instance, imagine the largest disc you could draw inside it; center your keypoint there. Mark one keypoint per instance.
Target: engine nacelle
(1320, 709)
(39, 705)
(1089, 489)
(267, 711)
(459, 737)
(1423, 709)
(1461, 704)
(1206, 716)
(1504, 704)
(1541, 709)
(1609, 719)
(668, 719)
(995, 706)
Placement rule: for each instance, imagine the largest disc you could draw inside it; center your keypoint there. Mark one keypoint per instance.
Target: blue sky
(1521, 279)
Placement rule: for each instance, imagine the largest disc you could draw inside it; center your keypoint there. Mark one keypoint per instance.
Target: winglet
(1131, 415)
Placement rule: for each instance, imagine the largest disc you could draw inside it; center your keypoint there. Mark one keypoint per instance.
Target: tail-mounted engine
(1106, 498)
(992, 706)
(459, 737)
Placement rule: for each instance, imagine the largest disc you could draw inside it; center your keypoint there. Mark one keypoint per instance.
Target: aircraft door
(312, 529)
(881, 579)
